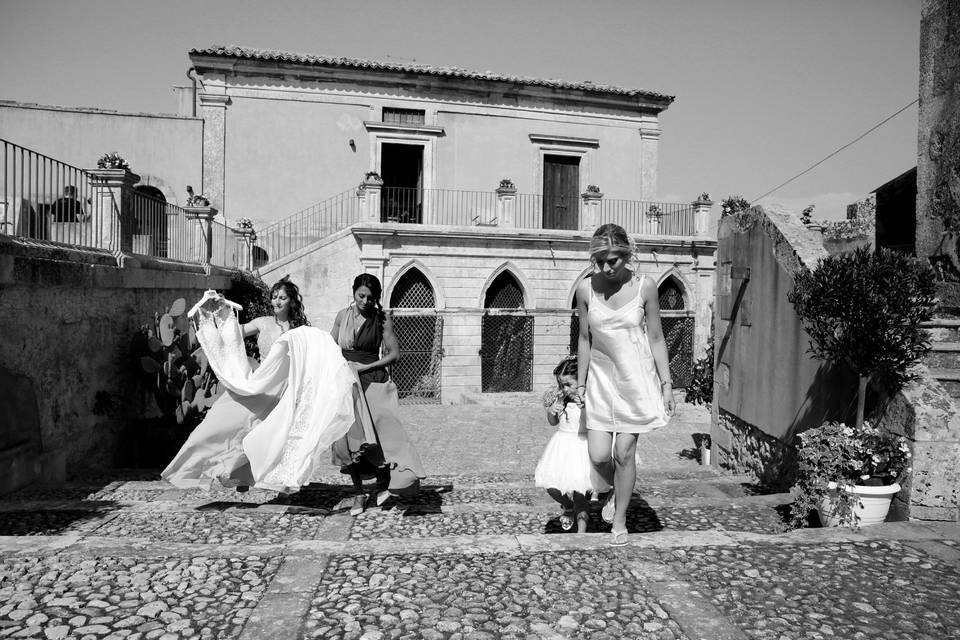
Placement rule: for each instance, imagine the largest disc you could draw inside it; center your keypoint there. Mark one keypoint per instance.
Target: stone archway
(419, 331)
(678, 330)
(506, 337)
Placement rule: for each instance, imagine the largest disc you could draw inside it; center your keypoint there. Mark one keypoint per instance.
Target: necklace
(281, 323)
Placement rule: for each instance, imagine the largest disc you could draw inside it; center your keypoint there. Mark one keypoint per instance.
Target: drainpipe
(193, 79)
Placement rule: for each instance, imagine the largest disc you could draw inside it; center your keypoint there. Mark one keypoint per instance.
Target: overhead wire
(852, 142)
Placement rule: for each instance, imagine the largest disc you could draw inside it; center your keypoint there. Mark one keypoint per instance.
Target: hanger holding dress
(211, 294)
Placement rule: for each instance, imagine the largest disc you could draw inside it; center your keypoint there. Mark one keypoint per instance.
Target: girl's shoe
(359, 504)
(609, 508)
(566, 520)
(382, 497)
(619, 538)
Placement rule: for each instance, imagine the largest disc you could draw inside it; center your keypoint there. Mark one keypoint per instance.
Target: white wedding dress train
(272, 426)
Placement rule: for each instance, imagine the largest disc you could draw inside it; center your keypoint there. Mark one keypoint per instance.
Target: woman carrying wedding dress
(271, 426)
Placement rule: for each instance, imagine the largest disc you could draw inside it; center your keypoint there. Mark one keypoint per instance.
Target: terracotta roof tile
(454, 72)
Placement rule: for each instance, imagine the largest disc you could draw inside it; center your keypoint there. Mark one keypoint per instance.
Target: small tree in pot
(863, 308)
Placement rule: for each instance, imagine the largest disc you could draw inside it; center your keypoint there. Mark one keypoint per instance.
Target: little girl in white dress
(564, 469)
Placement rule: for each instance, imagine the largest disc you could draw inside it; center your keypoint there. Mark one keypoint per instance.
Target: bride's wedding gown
(271, 427)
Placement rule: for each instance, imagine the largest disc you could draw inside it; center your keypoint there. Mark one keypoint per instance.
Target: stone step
(943, 355)
(949, 378)
(270, 524)
(943, 329)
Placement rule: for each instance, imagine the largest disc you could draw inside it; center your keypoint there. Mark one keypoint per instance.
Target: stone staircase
(943, 360)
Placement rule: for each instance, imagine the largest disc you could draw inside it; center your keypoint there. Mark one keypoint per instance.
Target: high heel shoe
(359, 504)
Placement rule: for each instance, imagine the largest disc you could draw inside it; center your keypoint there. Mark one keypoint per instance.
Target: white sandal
(609, 508)
(359, 504)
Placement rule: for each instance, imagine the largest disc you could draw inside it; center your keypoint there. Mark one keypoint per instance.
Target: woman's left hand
(668, 402)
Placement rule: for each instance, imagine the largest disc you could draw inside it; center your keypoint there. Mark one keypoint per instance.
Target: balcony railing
(454, 207)
(305, 227)
(649, 218)
(47, 200)
(162, 229)
(52, 203)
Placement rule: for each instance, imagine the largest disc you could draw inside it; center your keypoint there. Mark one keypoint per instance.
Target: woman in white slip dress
(272, 425)
(624, 371)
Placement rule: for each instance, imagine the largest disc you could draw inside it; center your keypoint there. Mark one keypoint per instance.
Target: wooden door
(561, 192)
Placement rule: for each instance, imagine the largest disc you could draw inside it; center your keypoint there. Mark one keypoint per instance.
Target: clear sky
(764, 88)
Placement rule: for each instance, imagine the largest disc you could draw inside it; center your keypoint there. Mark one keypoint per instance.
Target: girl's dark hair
(298, 318)
(371, 282)
(567, 367)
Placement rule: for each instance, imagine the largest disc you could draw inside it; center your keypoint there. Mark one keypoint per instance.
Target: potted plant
(849, 475)
(112, 160)
(862, 308)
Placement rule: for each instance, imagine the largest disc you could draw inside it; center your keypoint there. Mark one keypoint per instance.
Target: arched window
(678, 329)
(504, 293)
(413, 291)
(149, 207)
(420, 335)
(671, 296)
(506, 338)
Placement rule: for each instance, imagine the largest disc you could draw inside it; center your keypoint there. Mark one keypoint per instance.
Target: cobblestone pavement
(479, 553)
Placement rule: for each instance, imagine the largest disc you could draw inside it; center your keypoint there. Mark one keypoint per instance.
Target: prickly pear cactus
(174, 368)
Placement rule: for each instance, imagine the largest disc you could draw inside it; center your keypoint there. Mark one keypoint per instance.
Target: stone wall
(68, 319)
(768, 388)
(938, 152)
(924, 413)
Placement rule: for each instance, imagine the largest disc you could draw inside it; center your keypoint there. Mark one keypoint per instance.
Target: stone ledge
(26, 464)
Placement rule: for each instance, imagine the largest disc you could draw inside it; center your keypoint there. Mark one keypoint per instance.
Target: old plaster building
(471, 196)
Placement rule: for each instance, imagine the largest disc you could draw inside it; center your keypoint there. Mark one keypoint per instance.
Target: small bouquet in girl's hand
(551, 397)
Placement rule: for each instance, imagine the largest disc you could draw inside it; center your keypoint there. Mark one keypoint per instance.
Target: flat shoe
(359, 503)
(382, 497)
(566, 520)
(619, 538)
(609, 508)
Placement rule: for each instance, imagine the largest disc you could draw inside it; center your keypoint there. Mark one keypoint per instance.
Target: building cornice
(434, 233)
(565, 141)
(415, 129)
(423, 80)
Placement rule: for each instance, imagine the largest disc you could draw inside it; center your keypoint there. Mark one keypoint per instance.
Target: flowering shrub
(507, 183)
(700, 388)
(849, 229)
(836, 455)
(244, 223)
(732, 205)
(196, 199)
(112, 160)
(592, 188)
(806, 216)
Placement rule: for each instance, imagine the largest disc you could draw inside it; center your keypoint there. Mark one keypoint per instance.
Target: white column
(506, 204)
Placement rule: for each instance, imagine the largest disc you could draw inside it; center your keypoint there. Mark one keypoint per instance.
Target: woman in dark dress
(365, 334)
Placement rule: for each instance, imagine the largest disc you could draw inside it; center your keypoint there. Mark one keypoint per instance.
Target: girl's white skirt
(565, 465)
